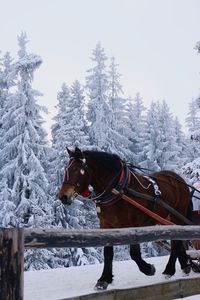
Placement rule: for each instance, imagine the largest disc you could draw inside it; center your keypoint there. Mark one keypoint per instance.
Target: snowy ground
(75, 281)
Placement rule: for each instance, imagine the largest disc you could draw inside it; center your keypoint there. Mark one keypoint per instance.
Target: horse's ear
(78, 153)
(69, 152)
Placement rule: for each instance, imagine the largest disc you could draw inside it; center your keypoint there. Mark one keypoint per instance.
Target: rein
(143, 209)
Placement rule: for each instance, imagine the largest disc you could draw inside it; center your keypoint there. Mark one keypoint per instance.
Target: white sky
(152, 40)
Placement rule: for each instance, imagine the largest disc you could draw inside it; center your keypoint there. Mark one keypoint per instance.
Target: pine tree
(118, 127)
(181, 141)
(24, 151)
(136, 120)
(192, 169)
(193, 125)
(7, 81)
(151, 138)
(70, 130)
(160, 151)
(98, 108)
(76, 129)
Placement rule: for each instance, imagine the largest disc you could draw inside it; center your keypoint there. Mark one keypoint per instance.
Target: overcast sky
(152, 40)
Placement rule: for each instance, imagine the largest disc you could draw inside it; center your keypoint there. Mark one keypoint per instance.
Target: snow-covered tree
(160, 151)
(76, 127)
(181, 142)
(136, 119)
(64, 113)
(7, 81)
(69, 130)
(98, 107)
(193, 125)
(192, 169)
(24, 149)
(118, 128)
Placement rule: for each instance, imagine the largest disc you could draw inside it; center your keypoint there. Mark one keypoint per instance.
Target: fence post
(11, 263)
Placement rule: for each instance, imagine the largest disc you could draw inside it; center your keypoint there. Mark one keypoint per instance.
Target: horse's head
(76, 178)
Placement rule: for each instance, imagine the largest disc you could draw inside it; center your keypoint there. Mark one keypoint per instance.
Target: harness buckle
(155, 186)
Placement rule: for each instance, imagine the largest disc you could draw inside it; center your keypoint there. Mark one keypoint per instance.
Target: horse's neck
(99, 179)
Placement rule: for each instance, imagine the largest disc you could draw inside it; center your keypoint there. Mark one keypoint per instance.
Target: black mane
(107, 161)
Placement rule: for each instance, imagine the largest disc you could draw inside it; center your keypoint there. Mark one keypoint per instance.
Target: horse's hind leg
(106, 276)
(177, 251)
(144, 267)
(183, 258)
(170, 267)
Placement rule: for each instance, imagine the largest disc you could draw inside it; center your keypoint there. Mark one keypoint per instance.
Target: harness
(120, 182)
(117, 188)
(108, 198)
(119, 192)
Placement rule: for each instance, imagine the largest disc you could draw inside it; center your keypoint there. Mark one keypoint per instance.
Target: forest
(90, 115)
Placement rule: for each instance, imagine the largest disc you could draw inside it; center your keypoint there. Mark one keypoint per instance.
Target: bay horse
(104, 171)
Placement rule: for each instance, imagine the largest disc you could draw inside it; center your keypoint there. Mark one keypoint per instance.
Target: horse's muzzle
(66, 200)
(67, 196)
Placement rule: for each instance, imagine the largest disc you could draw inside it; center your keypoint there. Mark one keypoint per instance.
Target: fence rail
(13, 241)
(47, 238)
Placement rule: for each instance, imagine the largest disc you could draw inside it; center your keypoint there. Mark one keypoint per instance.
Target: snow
(75, 281)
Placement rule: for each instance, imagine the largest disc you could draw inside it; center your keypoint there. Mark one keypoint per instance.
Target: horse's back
(171, 178)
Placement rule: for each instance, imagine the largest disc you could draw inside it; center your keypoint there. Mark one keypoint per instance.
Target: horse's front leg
(144, 267)
(107, 275)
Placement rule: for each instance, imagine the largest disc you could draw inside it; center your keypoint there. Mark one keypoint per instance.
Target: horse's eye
(82, 171)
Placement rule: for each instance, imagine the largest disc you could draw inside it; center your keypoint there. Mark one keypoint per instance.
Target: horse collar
(107, 198)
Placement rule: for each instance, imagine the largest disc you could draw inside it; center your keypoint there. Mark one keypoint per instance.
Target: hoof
(153, 270)
(168, 273)
(195, 267)
(167, 276)
(101, 285)
(186, 270)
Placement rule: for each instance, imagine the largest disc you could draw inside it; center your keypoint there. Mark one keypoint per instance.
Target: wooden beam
(47, 238)
(11, 264)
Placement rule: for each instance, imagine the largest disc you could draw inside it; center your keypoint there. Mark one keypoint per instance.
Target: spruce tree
(118, 126)
(136, 119)
(69, 130)
(193, 125)
(23, 154)
(160, 149)
(192, 169)
(7, 81)
(98, 107)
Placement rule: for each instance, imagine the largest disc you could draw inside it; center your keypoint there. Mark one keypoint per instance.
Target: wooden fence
(14, 240)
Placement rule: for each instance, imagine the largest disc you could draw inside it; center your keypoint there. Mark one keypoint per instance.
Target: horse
(103, 172)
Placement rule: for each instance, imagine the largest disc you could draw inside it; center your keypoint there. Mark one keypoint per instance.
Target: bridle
(82, 172)
(121, 179)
